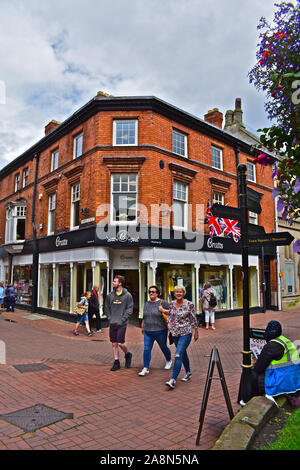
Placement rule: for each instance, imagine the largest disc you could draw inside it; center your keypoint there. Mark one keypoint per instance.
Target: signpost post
(248, 200)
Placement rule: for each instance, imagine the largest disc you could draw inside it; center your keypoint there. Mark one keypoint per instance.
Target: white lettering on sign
(59, 242)
(216, 245)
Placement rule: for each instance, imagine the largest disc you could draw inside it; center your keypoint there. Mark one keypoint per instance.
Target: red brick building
(119, 187)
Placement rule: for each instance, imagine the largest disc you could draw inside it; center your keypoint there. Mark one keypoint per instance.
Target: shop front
(65, 275)
(170, 267)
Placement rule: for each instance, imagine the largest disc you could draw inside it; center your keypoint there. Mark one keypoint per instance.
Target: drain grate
(35, 367)
(35, 417)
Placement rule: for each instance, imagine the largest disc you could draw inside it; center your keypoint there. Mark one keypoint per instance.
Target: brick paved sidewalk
(117, 410)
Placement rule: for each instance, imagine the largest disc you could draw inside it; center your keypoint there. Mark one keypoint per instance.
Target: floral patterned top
(182, 320)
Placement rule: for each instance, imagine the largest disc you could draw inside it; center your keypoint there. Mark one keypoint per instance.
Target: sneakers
(145, 371)
(128, 358)
(187, 377)
(99, 331)
(75, 333)
(90, 333)
(168, 365)
(171, 383)
(116, 365)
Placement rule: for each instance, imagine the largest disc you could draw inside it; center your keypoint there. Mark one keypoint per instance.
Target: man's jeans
(181, 343)
(161, 338)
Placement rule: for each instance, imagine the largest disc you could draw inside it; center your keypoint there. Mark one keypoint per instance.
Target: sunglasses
(152, 291)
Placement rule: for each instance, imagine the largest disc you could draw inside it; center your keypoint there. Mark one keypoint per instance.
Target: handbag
(79, 310)
(171, 340)
(164, 315)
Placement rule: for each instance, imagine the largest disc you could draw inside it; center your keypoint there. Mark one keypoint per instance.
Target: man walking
(118, 308)
(94, 309)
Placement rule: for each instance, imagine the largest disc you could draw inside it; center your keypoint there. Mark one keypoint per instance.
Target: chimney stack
(234, 119)
(51, 126)
(215, 117)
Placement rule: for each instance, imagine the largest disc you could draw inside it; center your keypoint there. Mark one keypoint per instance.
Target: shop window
(124, 198)
(218, 277)
(46, 287)
(51, 214)
(180, 206)
(75, 201)
(64, 287)
(167, 277)
(22, 275)
(125, 132)
(179, 142)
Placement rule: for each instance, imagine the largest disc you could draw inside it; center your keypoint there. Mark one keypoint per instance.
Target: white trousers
(210, 315)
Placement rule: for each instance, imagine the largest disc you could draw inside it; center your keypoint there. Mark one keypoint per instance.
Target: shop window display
(219, 279)
(46, 287)
(22, 275)
(64, 284)
(167, 277)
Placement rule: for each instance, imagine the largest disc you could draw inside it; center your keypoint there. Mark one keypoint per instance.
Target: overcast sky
(56, 54)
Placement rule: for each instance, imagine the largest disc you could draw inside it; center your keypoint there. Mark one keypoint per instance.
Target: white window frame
(217, 149)
(252, 165)
(75, 198)
(51, 213)
(17, 182)
(177, 187)
(113, 221)
(25, 177)
(254, 216)
(76, 138)
(54, 159)
(184, 136)
(218, 198)
(13, 214)
(124, 121)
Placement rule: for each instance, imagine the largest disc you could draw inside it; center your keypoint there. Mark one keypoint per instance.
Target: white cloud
(193, 53)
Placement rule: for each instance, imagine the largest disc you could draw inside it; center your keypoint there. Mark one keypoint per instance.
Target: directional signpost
(277, 239)
(228, 212)
(248, 200)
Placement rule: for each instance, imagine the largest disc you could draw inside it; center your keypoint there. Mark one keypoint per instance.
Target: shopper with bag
(183, 325)
(154, 328)
(94, 309)
(82, 313)
(209, 304)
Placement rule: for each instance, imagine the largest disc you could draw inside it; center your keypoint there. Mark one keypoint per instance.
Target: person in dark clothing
(11, 297)
(272, 351)
(118, 308)
(94, 309)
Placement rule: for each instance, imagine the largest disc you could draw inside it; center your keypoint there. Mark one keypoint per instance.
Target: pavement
(117, 410)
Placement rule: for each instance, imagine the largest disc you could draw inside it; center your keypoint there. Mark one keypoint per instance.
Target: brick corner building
(122, 186)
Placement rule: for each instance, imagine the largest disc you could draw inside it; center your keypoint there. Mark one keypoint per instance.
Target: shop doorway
(132, 285)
